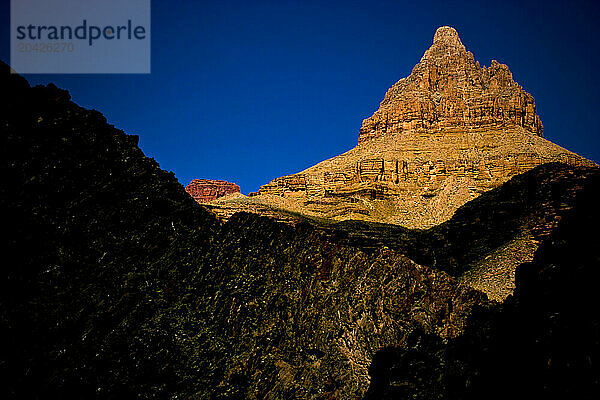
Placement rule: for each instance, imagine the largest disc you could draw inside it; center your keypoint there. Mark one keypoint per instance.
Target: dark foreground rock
(121, 286)
(543, 343)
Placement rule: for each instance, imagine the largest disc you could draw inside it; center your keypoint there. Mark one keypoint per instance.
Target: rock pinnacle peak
(449, 91)
(446, 35)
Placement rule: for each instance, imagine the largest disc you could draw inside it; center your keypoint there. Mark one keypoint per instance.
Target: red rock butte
(205, 190)
(448, 132)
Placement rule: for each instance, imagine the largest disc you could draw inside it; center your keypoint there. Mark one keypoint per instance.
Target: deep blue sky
(250, 90)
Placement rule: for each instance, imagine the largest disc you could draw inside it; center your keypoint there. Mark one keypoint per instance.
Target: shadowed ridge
(98, 236)
(540, 343)
(121, 286)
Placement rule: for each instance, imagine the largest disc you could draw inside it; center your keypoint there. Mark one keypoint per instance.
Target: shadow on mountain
(532, 203)
(544, 342)
(120, 285)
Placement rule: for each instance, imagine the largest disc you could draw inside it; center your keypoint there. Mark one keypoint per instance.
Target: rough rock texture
(441, 137)
(448, 90)
(540, 344)
(122, 286)
(205, 190)
(487, 238)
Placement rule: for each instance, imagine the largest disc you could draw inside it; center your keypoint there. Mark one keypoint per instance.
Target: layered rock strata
(441, 137)
(205, 190)
(448, 90)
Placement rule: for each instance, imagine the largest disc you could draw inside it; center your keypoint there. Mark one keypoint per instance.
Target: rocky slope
(442, 136)
(489, 237)
(123, 286)
(541, 343)
(205, 190)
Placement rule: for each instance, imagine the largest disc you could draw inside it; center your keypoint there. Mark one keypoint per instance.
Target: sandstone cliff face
(448, 90)
(441, 137)
(205, 190)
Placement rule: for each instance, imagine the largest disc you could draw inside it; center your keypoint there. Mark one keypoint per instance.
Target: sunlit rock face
(441, 136)
(205, 190)
(448, 90)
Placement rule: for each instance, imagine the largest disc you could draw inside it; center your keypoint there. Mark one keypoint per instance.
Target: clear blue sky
(251, 90)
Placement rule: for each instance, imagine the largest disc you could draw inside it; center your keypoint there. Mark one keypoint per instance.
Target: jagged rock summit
(448, 132)
(448, 90)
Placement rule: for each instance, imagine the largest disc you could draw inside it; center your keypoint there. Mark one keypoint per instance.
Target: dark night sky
(248, 90)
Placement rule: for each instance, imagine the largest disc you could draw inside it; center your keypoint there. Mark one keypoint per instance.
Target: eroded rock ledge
(205, 190)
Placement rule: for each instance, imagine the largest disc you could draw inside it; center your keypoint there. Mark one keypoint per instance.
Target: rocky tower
(448, 90)
(441, 137)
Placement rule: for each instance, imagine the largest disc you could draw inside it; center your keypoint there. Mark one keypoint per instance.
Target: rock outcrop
(205, 190)
(448, 90)
(441, 137)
